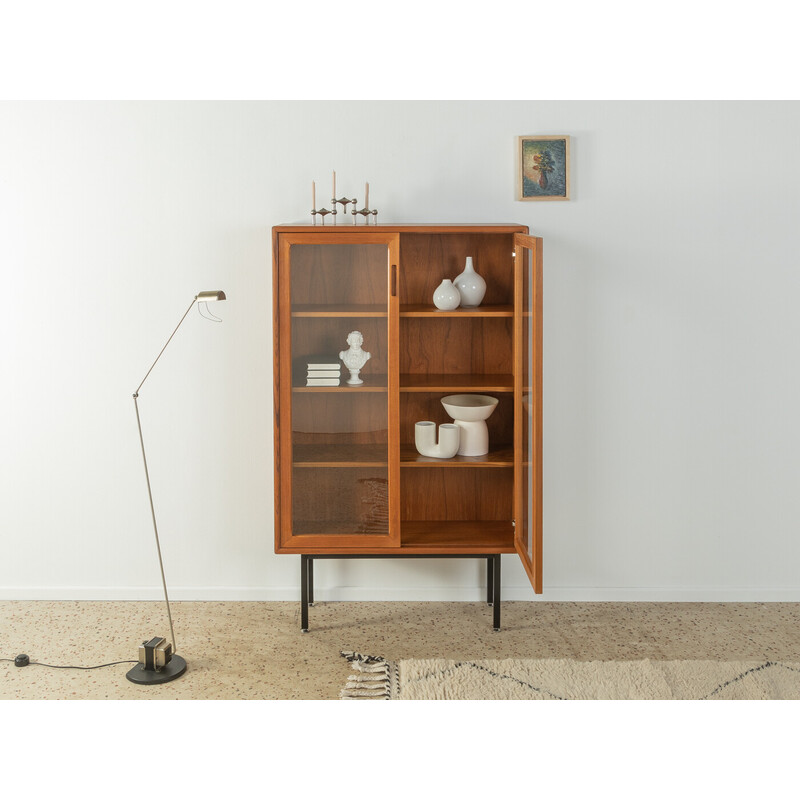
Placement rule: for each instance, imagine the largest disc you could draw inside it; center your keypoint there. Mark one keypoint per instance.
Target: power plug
(22, 660)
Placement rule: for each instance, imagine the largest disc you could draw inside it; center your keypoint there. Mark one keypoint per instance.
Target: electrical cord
(23, 660)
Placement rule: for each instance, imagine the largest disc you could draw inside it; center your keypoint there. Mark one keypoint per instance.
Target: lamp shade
(205, 297)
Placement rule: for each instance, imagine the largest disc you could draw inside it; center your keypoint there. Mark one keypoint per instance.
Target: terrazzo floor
(254, 650)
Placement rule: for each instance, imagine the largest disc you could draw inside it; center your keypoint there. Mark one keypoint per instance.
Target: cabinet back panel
(341, 500)
(339, 274)
(328, 337)
(418, 406)
(440, 493)
(347, 418)
(449, 345)
(426, 259)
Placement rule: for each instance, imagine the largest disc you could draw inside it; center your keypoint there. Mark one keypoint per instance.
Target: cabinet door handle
(394, 280)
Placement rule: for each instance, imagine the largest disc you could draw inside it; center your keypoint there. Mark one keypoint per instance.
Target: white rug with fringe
(565, 679)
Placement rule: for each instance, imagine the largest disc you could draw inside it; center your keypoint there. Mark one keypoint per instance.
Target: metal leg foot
(496, 592)
(304, 593)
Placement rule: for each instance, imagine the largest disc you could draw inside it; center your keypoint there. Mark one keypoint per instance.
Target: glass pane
(527, 401)
(340, 419)
(340, 501)
(340, 277)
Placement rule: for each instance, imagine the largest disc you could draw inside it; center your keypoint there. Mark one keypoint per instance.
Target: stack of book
(323, 372)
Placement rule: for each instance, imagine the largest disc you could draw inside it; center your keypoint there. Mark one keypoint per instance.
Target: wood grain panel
(418, 406)
(460, 382)
(339, 494)
(456, 494)
(341, 419)
(336, 274)
(277, 399)
(340, 500)
(349, 310)
(372, 383)
(528, 394)
(463, 536)
(314, 336)
(449, 345)
(348, 230)
(428, 258)
(496, 457)
(344, 454)
(483, 310)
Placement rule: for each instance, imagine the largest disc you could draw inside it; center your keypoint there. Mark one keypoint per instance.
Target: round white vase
(470, 285)
(446, 297)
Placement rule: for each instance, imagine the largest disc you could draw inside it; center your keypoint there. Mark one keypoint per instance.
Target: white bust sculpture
(354, 358)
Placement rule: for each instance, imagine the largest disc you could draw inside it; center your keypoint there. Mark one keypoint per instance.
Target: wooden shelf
(372, 383)
(376, 455)
(335, 528)
(435, 537)
(423, 383)
(427, 310)
(324, 310)
(450, 384)
(499, 457)
(409, 310)
(340, 455)
(461, 536)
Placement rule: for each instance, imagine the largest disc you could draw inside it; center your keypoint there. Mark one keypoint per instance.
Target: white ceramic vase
(446, 297)
(470, 285)
(469, 413)
(425, 439)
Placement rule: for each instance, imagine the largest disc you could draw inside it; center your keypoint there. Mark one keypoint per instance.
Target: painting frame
(556, 178)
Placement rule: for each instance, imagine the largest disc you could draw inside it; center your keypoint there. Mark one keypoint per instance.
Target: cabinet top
(448, 227)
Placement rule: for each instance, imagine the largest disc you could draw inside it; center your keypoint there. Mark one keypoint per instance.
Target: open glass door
(528, 405)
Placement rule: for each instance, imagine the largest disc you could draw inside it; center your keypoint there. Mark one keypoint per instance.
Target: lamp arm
(136, 393)
(155, 525)
(147, 472)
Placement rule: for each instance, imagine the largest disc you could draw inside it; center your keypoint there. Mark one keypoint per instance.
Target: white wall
(671, 339)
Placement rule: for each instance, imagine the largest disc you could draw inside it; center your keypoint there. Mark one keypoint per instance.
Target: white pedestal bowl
(470, 412)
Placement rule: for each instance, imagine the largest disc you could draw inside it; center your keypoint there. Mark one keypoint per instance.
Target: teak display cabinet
(348, 479)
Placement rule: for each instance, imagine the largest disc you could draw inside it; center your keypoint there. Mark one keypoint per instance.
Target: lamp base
(149, 677)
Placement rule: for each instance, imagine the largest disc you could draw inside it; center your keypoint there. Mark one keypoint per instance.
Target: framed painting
(543, 168)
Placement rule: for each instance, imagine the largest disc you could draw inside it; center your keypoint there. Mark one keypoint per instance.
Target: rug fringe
(360, 658)
(374, 680)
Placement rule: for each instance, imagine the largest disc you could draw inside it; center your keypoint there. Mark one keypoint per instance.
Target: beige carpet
(567, 679)
(255, 650)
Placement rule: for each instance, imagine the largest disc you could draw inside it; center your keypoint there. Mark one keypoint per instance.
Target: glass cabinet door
(338, 390)
(528, 401)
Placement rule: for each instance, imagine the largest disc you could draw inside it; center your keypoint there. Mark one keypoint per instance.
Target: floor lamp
(158, 662)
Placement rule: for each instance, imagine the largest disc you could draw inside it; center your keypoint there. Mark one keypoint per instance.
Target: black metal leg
(304, 593)
(496, 595)
(307, 580)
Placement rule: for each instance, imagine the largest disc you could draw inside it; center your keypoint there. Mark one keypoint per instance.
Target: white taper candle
(313, 196)
(366, 195)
